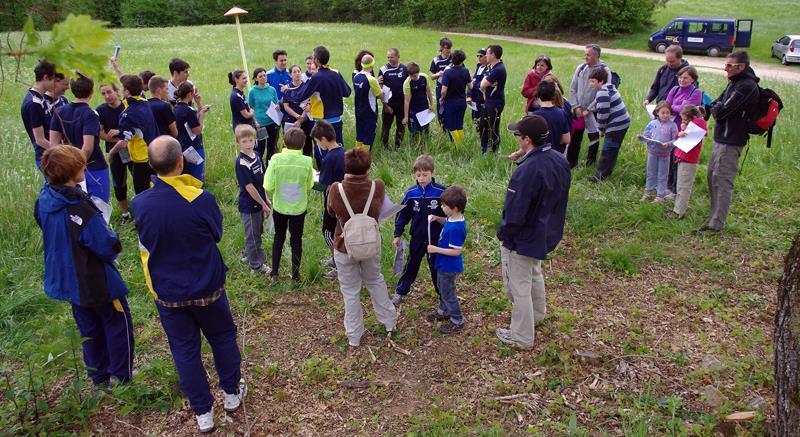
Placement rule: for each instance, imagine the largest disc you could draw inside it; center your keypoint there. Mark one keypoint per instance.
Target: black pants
(489, 127)
(608, 159)
(574, 150)
(268, 144)
(418, 251)
(119, 176)
(141, 176)
(295, 224)
(672, 176)
(386, 126)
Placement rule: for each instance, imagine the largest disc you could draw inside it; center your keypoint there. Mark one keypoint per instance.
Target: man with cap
(532, 226)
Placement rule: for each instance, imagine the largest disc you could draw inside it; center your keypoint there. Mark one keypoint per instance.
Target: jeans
(722, 171)
(448, 301)
(657, 169)
(524, 284)
(386, 126)
(295, 224)
(253, 223)
(685, 182)
(608, 159)
(109, 349)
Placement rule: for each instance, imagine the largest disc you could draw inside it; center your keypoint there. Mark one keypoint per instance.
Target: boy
(449, 262)
(289, 179)
(420, 200)
(253, 202)
(613, 121)
(162, 111)
(438, 65)
(366, 92)
(34, 109)
(418, 98)
(331, 170)
(179, 70)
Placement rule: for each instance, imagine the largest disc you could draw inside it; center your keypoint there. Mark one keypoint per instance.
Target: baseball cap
(482, 51)
(533, 127)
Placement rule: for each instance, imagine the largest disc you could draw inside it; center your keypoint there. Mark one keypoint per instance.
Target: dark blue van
(703, 35)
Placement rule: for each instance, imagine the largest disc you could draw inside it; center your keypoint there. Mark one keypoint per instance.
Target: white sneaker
(206, 421)
(507, 337)
(397, 299)
(329, 263)
(332, 274)
(233, 401)
(263, 270)
(670, 196)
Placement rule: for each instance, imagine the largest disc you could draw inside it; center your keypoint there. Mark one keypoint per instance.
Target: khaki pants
(524, 285)
(684, 184)
(352, 274)
(722, 171)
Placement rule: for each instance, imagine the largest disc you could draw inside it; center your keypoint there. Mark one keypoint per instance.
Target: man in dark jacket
(667, 75)
(730, 111)
(531, 227)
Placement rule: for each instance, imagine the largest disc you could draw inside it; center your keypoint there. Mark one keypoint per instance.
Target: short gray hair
(164, 154)
(596, 48)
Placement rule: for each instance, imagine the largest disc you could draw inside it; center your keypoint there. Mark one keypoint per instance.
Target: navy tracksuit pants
(417, 251)
(109, 349)
(183, 327)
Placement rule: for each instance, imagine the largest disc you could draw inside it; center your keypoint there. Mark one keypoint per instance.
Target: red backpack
(761, 119)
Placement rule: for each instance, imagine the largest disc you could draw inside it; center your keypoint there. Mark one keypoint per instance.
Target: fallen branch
(394, 346)
(132, 426)
(374, 360)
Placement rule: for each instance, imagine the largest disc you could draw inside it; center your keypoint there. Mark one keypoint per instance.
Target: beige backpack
(362, 234)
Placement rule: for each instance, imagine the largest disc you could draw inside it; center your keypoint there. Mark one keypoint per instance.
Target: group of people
(179, 222)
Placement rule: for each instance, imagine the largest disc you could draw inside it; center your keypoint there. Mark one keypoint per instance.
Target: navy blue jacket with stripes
(419, 203)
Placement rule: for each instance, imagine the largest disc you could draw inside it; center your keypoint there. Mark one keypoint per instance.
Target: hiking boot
(434, 316)
(397, 299)
(706, 230)
(263, 270)
(451, 328)
(232, 402)
(506, 336)
(205, 421)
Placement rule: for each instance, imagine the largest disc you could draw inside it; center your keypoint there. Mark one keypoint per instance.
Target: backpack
(614, 79)
(761, 119)
(706, 103)
(362, 234)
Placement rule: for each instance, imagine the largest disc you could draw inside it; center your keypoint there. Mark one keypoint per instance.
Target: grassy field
(682, 324)
(771, 20)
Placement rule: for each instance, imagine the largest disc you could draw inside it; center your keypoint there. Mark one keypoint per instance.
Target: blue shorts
(98, 183)
(196, 170)
(365, 129)
(453, 114)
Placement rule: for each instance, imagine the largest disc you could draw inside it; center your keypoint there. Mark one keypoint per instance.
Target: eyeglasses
(728, 65)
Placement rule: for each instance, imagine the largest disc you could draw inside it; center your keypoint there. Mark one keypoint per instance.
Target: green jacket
(289, 180)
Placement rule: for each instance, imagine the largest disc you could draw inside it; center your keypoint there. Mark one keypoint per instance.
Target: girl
(240, 110)
(190, 124)
(455, 80)
(259, 98)
(658, 135)
(295, 111)
(687, 161)
(542, 68)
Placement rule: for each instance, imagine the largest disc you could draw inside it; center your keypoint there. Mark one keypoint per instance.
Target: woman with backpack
(356, 248)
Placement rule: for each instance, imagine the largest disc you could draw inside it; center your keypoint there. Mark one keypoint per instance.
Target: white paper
(387, 94)
(287, 126)
(192, 157)
(399, 258)
(316, 176)
(274, 113)
(650, 108)
(82, 184)
(473, 106)
(425, 117)
(389, 209)
(192, 135)
(694, 134)
(105, 208)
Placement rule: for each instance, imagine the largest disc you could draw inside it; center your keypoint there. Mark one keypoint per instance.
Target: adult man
(55, 96)
(393, 75)
(279, 77)
(667, 75)
(326, 88)
(179, 226)
(366, 92)
(730, 111)
(581, 95)
(532, 225)
(179, 69)
(34, 109)
(476, 95)
(493, 87)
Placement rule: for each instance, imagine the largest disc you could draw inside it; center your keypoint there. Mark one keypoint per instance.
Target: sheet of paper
(650, 108)
(694, 134)
(316, 176)
(274, 113)
(399, 258)
(105, 208)
(425, 117)
(387, 94)
(192, 135)
(192, 157)
(389, 209)
(473, 106)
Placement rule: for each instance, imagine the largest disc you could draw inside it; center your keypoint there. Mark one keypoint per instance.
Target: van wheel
(783, 60)
(713, 51)
(661, 47)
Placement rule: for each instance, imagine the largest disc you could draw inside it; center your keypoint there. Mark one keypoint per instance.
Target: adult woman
(358, 189)
(357, 62)
(190, 123)
(542, 68)
(240, 110)
(260, 98)
(685, 93)
(455, 80)
(298, 111)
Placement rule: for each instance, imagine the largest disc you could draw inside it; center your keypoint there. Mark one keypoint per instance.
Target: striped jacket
(610, 110)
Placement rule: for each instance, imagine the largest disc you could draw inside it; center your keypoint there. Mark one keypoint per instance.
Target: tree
(787, 347)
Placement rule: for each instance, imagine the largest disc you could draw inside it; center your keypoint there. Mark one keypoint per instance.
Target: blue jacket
(79, 248)
(665, 79)
(536, 204)
(326, 88)
(179, 226)
(419, 203)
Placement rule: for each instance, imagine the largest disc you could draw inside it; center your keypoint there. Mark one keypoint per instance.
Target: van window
(696, 27)
(719, 28)
(675, 27)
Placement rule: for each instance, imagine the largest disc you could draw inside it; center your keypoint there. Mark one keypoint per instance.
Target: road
(702, 63)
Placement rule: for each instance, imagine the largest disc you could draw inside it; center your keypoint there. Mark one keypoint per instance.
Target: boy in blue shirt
(34, 109)
(253, 202)
(162, 110)
(331, 170)
(449, 262)
(418, 98)
(420, 200)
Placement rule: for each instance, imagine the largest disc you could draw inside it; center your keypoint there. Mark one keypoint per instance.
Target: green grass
(771, 20)
(609, 232)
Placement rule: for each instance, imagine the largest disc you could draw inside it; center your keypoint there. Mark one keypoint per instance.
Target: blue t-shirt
(558, 122)
(277, 78)
(495, 95)
(109, 119)
(332, 167)
(393, 77)
(186, 119)
(162, 113)
(439, 64)
(238, 104)
(456, 80)
(418, 89)
(34, 115)
(79, 119)
(453, 236)
(249, 171)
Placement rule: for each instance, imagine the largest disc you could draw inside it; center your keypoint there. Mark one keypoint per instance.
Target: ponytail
(233, 75)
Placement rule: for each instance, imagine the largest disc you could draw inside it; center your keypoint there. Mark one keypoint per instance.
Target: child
(254, 205)
(289, 179)
(162, 110)
(420, 200)
(191, 123)
(659, 135)
(79, 252)
(449, 262)
(687, 161)
(418, 98)
(613, 121)
(331, 170)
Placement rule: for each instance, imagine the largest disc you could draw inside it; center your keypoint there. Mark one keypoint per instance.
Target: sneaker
(205, 421)
(706, 230)
(125, 217)
(434, 316)
(647, 195)
(263, 270)
(506, 337)
(232, 402)
(328, 263)
(658, 199)
(352, 343)
(331, 274)
(593, 179)
(397, 299)
(670, 196)
(451, 328)
(673, 215)
(243, 257)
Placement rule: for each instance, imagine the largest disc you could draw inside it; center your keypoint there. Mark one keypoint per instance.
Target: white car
(787, 49)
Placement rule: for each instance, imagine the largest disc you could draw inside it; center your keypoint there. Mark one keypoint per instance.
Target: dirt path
(702, 63)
